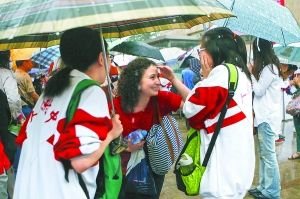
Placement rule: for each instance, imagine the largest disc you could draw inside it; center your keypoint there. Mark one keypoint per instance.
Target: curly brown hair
(128, 84)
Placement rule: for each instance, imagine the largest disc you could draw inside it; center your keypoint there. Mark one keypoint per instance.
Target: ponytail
(58, 83)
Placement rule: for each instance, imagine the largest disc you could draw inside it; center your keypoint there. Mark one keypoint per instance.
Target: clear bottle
(186, 164)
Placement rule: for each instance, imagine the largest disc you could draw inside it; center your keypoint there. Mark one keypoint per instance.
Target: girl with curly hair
(138, 93)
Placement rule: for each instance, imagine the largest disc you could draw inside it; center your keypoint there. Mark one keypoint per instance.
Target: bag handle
(232, 85)
(158, 116)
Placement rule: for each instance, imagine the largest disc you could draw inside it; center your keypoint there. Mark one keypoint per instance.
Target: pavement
(289, 169)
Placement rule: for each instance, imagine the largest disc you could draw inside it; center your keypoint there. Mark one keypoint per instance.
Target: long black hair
(79, 48)
(4, 59)
(226, 47)
(128, 84)
(263, 55)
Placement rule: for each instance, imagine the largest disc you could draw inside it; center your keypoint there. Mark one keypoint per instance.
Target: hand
(135, 147)
(117, 128)
(167, 72)
(206, 63)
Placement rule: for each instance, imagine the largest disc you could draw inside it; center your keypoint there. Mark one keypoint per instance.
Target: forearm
(82, 163)
(181, 88)
(34, 96)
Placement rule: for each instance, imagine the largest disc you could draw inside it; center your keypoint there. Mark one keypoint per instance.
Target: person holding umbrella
(48, 140)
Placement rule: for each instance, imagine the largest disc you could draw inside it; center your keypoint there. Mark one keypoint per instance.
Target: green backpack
(188, 177)
(109, 178)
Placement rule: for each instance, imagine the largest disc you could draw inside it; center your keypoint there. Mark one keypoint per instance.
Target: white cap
(297, 72)
(283, 60)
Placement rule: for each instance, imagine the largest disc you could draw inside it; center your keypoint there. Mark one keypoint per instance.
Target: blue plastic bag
(139, 178)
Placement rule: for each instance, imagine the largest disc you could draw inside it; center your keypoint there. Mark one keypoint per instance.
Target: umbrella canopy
(122, 59)
(40, 22)
(46, 56)
(138, 49)
(290, 53)
(262, 18)
(171, 53)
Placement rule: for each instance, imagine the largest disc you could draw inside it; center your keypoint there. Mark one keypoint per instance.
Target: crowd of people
(58, 156)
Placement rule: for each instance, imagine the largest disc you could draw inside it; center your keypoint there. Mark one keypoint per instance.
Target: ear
(101, 59)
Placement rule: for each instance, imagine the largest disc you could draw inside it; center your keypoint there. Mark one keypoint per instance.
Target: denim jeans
(269, 176)
(297, 127)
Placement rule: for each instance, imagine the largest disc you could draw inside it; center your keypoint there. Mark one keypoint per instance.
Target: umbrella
(40, 22)
(122, 59)
(171, 53)
(138, 48)
(262, 18)
(46, 57)
(291, 53)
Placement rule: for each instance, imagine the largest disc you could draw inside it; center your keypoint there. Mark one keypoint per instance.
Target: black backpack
(7, 138)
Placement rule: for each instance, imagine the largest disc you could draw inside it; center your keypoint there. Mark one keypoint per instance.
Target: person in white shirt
(267, 84)
(8, 84)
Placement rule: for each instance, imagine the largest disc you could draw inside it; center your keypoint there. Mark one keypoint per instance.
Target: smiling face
(150, 84)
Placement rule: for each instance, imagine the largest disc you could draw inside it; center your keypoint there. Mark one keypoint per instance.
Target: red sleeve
(22, 133)
(69, 144)
(4, 161)
(168, 102)
(212, 99)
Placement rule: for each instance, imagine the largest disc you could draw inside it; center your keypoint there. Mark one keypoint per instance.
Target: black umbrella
(138, 49)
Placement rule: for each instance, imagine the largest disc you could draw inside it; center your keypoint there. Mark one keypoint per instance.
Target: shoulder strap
(232, 85)
(73, 104)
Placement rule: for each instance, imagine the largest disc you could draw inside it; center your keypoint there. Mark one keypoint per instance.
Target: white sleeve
(265, 79)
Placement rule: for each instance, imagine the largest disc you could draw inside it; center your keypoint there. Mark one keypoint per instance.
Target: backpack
(109, 178)
(188, 168)
(8, 139)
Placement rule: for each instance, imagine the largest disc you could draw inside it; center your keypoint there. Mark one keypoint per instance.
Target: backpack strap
(72, 107)
(232, 85)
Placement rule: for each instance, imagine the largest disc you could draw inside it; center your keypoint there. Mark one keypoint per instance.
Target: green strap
(73, 104)
(233, 77)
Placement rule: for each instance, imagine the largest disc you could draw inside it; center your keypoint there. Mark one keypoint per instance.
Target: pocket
(193, 180)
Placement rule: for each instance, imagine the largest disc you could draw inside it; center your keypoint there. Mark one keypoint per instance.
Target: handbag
(139, 178)
(164, 143)
(293, 107)
(189, 182)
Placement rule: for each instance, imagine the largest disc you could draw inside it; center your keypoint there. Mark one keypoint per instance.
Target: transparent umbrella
(262, 18)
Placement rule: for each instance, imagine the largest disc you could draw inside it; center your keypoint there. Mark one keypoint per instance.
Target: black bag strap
(73, 104)
(232, 84)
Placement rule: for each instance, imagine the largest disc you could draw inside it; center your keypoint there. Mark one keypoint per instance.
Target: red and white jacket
(46, 139)
(231, 166)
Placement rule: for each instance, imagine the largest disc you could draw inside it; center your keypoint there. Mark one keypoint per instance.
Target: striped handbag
(164, 144)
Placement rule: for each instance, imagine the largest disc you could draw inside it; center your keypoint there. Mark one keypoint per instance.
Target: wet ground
(289, 169)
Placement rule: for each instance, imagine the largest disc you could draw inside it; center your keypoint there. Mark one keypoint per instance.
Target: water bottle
(186, 164)
(137, 136)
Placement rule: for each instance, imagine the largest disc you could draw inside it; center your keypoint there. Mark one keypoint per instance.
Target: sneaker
(253, 191)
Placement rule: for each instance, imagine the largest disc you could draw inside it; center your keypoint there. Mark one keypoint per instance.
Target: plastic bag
(139, 178)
